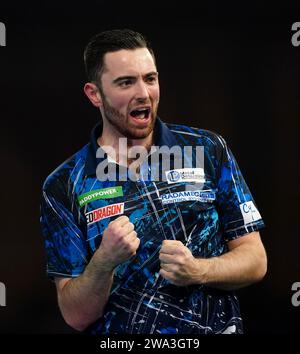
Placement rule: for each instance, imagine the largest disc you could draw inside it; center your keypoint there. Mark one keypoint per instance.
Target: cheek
(121, 104)
(155, 94)
(118, 106)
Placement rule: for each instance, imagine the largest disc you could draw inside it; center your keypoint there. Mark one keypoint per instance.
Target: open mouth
(140, 113)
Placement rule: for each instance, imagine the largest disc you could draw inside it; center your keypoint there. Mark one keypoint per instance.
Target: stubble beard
(122, 126)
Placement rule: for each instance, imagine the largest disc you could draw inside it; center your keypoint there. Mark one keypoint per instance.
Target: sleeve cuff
(244, 229)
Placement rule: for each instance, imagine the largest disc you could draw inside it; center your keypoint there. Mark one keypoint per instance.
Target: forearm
(238, 268)
(82, 299)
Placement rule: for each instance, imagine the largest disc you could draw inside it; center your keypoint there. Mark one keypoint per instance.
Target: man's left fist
(178, 265)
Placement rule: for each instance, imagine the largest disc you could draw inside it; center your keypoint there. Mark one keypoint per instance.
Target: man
(131, 253)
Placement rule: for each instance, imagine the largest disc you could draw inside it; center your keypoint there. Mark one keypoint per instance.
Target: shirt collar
(162, 137)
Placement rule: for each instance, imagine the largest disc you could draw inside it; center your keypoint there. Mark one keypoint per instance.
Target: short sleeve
(237, 209)
(64, 241)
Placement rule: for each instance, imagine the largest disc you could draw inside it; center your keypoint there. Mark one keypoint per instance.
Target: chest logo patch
(177, 197)
(104, 212)
(185, 175)
(104, 193)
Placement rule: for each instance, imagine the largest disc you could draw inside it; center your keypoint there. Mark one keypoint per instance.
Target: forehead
(129, 62)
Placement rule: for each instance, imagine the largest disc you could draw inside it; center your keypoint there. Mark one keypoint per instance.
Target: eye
(125, 83)
(151, 79)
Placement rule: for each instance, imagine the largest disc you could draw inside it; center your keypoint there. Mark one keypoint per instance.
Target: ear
(93, 94)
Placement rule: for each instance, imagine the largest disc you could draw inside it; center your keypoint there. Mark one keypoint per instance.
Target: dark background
(228, 67)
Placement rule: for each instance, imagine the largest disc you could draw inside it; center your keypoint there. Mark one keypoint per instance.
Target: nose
(142, 92)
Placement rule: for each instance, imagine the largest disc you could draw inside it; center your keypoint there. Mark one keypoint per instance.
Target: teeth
(141, 116)
(140, 113)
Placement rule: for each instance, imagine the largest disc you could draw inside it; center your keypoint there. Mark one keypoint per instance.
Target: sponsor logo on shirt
(177, 197)
(111, 192)
(249, 212)
(185, 175)
(104, 212)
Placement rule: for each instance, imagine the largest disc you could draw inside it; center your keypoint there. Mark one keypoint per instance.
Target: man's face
(130, 92)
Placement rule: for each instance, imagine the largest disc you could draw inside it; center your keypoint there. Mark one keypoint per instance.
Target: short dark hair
(110, 41)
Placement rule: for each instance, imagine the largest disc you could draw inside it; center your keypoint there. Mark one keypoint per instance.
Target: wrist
(204, 270)
(103, 261)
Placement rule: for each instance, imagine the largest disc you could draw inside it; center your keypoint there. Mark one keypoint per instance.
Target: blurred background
(226, 67)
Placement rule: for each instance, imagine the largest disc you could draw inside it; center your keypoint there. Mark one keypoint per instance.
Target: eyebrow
(128, 77)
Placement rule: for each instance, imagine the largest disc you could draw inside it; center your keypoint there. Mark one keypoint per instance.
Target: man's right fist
(119, 241)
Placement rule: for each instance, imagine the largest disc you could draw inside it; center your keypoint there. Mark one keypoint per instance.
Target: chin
(138, 133)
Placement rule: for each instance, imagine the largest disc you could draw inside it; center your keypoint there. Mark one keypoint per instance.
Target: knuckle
(115, 229)
(180, 261)
(111, 226)
(124, 218)
(133, 247)
(127, 246)
(133, 253)
(186, 251)
(177, 269)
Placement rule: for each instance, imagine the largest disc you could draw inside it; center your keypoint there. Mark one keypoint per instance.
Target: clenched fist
(178, 265)
(119, 242)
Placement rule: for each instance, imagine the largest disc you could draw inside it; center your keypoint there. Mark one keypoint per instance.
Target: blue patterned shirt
(204, 208)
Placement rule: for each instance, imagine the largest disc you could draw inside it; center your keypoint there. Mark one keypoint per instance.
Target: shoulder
(67, 171)
(197, 136)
